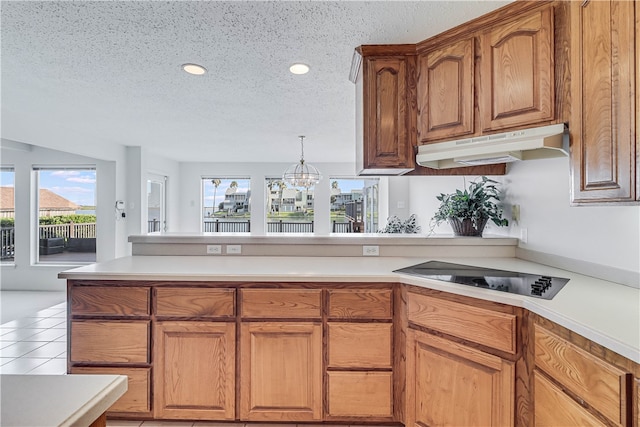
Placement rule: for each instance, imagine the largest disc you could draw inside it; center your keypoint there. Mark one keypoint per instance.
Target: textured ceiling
(78, 74)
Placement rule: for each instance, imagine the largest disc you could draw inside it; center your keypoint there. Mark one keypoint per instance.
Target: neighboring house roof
(48, 200)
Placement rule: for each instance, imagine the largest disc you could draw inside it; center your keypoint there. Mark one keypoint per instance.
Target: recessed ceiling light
(299, 68)
(195, 69)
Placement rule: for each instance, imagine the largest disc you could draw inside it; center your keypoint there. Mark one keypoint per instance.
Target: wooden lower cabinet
(360, 394)
(281, 371)
(194, 370)
(451, 384)
(137, 399)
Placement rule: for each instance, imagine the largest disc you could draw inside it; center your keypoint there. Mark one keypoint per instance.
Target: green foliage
(396, 225)
(66, 219)
(476, 202)
(6, 222)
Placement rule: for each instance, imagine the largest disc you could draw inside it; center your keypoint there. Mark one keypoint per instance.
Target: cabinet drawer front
(360, 304)
(280, 303)
(598, 383)
(553, 407)
(109, 301)
(479, 325)
(360, 394)
(110, 341)
(360, 345)
(136, 399)
(195, 302)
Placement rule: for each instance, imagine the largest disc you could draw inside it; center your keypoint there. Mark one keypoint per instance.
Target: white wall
(25, 274)
(605, 235)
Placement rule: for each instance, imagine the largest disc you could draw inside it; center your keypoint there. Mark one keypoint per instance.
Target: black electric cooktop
(533, 285)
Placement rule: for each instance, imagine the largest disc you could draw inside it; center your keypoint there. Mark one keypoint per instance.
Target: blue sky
(79, 185)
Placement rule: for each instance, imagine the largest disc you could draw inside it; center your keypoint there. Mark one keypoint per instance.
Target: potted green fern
(468, 210)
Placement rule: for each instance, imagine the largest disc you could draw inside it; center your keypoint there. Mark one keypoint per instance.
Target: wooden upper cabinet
(386, 131)
(517, 72)
(445, 91)
(604, 144)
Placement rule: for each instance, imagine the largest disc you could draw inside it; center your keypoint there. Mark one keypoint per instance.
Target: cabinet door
(555, 408)
(194, 370)
(604, 142)
(517, 72)
(387, 113)
(281, 371)
(452, 384)
(445, 92)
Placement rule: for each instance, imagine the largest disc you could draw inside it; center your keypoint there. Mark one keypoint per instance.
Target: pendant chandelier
(302, 174)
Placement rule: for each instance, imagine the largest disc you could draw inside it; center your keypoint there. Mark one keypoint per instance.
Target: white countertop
(57, 400)
(604, 312)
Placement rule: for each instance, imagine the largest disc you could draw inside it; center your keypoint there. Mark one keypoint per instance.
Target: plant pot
(468, 226)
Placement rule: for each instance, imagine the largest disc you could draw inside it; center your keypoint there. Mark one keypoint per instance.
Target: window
(289, 209)
(66, 214)
(354, 205)
(7, 214)
(156, 207)
(226, 205)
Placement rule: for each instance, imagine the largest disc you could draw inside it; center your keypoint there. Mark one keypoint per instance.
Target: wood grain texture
(281, 303)
(599, 384)
(194, 370)
(137, 399)
(360, 345)
(518, 84)
(388, 111)
(109, 341)
(451, 384)
(360, 304)
(446, 91)
(554, 408)
(486, 327)
(110, 301)
(195, 302)
(604, 146)
(400, 326)
(360, 394)
(281, 371)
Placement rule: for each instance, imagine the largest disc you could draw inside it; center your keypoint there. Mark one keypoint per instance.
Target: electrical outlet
(234, 249)
(370, 250)
(214, 249)
(523, 235)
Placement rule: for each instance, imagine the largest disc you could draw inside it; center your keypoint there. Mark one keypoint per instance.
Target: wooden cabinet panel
(479, 325)
(281, 303)
(604, 145)
(446, 91)
(360, 304)
(360, 394)
(554, 408)
(360, 345)
(601, 385)
(388, 114)
(451, 384)
(281, 371)
(109, 301)
(109, 341)
(517, 72)
(137, 398)
(194, 370)
(195, 302)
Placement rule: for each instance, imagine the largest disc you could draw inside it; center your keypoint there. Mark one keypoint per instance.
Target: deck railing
(342, 227)
(71, 230)
(218, 226)
(153, 226)
(289, 227)
(8, 241)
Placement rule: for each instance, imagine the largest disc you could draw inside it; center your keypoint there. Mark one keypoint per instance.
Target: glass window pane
(289, 209)
(155, 206)
(226, 205)
(7, 214)
(67, 215)
(354, 205)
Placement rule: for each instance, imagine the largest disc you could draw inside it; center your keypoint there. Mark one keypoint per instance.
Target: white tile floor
(37, 344)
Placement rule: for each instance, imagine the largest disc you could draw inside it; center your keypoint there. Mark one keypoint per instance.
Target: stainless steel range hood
(527, 144)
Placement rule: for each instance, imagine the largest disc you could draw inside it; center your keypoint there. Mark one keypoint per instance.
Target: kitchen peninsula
(343, 339)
